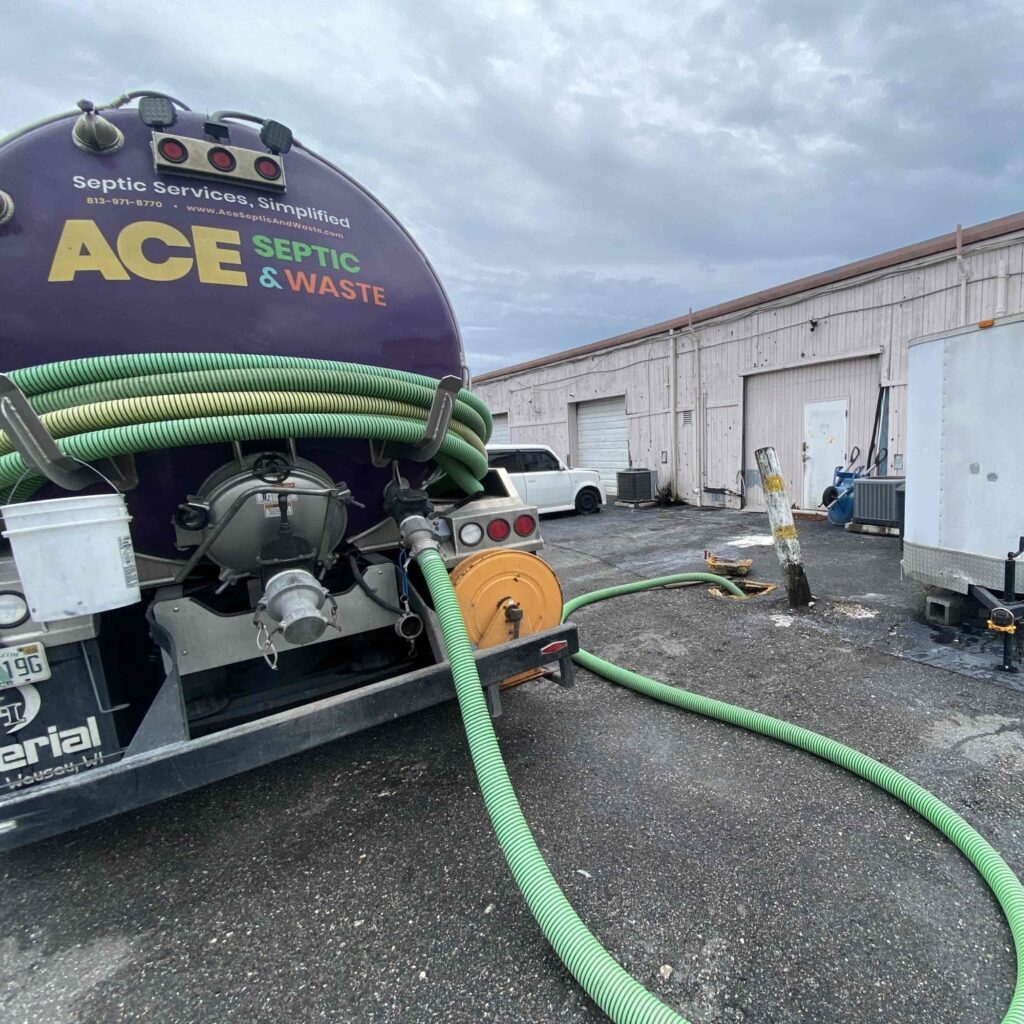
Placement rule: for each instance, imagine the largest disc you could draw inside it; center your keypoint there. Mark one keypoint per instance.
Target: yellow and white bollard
(787, 545)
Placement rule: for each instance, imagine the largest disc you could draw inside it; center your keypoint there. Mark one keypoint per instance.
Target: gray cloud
(577, 169)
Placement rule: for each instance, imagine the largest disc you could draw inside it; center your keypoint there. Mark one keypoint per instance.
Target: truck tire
(588, 501)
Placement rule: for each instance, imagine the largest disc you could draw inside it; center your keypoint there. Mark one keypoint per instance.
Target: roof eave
(941, 243)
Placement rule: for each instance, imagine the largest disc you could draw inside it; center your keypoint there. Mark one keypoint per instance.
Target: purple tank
(107, 254)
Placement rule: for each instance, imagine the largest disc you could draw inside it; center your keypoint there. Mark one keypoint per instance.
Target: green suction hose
(153, 408)
(34, 380)
(106, 406)
(618, 994)
(113, 405)
(320, 382)
(1005, 885)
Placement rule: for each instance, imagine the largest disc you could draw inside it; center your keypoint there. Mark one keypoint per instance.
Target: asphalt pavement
(737, 878)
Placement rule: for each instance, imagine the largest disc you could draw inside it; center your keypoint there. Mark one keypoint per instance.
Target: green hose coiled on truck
(618, 994)
(106, 406)
(153, 408)
(34, 380)
(277, 378)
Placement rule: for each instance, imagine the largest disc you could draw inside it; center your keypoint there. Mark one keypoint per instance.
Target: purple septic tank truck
(270, 606)
(189, 244)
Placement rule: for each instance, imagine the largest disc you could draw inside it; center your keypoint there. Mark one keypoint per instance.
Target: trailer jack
(1004, 612)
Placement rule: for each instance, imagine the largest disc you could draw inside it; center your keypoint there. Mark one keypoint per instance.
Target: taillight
(267, 168)
(173, 151)
(498, 529)
(525, 525)
(471, 534)
(221, 158)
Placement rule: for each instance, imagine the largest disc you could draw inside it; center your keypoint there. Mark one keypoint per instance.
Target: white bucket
(74, 555)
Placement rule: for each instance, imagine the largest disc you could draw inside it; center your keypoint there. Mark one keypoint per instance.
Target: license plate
(24, 664)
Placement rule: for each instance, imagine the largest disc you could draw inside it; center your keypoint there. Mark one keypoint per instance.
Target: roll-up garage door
(602, 438)
(500, 434)
(814, 416)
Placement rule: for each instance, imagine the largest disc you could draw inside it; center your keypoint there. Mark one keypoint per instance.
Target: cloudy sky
(578, 169)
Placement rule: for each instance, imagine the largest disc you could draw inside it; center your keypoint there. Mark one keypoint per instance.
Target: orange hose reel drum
(504, 595)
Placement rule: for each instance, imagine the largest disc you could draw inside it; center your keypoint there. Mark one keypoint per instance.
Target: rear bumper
(167, 766)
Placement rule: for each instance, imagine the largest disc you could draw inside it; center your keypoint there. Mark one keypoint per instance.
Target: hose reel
(504, 595)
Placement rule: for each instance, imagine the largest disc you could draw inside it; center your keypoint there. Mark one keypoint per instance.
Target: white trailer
(965, 475)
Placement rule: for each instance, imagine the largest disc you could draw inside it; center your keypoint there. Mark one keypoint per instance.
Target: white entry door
(824, 446)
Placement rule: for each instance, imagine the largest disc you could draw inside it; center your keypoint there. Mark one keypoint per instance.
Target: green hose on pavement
(616, 992)
(111, 405)
(621, 997)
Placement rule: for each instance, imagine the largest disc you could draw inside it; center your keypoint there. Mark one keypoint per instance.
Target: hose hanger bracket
(438, 419)
(35, 444)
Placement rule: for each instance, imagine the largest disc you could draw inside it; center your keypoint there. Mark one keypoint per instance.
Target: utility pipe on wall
(698, 413)
(962, 267)
(1001, 289)
(673, 414)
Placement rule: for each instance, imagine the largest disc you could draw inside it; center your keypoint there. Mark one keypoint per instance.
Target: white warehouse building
(816, 367)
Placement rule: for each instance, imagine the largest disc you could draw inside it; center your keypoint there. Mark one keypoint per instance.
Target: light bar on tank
(198, 158)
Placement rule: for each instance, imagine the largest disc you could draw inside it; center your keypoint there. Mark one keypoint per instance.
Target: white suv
(542, 479)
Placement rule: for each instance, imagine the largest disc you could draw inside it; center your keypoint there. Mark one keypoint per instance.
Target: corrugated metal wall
(877, 313)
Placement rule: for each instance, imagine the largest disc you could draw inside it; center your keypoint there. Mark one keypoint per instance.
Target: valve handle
(272, 468)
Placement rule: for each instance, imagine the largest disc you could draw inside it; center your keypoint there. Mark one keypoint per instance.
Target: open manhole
(750, 588)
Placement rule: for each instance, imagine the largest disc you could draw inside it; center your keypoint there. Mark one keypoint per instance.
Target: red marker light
(498, 529)
(221, 158)
(524, 525)
(554, 647)
(267, 168)
(172, 151)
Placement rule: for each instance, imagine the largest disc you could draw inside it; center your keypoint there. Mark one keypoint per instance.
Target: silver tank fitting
(295, 603)
(93, 133)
